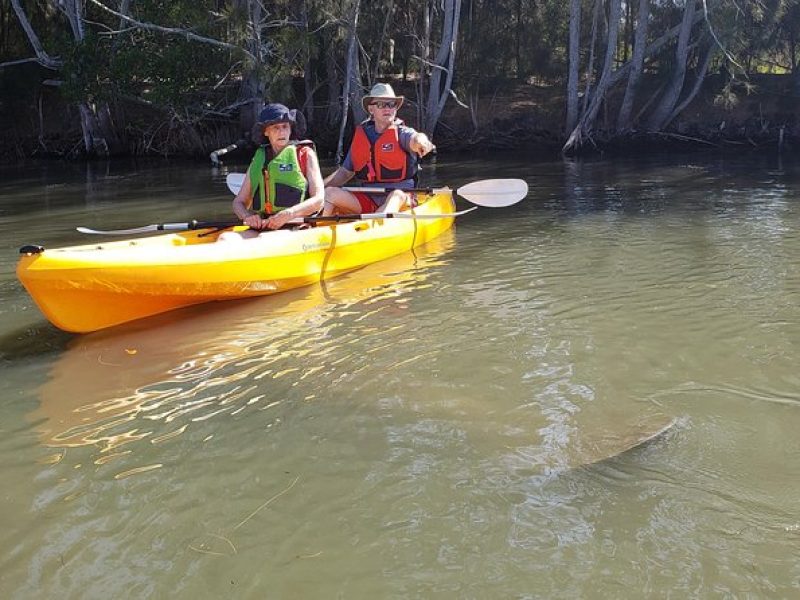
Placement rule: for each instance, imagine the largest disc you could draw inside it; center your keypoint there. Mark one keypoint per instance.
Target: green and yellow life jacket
(280, 183)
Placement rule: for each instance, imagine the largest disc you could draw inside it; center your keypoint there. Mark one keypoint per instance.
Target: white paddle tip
(234, 182)
(494, 193)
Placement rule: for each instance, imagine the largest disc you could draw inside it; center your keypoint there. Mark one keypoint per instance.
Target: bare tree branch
(174, 31)
(457, 101)
(432, 65)
(21, 61)
(716, 39)
(42, 57)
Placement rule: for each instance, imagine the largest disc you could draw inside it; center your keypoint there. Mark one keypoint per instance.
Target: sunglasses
(390, 104)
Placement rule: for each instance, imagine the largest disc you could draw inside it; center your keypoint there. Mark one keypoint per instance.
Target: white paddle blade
(135, 230)
(234, 182)
(494, 193)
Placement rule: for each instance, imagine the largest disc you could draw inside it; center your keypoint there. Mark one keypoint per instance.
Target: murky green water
(417, 429)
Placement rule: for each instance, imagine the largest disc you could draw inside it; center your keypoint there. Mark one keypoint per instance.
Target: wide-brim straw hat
(381, 91)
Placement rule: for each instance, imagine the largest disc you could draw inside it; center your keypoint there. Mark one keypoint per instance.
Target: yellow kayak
(93, 286)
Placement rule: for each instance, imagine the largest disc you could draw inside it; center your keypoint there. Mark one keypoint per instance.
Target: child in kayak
(283, 180)
(383, 151)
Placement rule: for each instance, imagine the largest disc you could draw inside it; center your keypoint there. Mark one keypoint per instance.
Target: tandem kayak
(93, 286)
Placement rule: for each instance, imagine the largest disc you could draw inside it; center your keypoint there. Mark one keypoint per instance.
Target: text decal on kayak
(317, 246)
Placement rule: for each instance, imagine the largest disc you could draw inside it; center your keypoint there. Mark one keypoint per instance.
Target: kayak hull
(94, 286)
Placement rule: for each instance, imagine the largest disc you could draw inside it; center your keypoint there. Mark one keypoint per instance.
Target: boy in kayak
(383, 151)
(283, 180)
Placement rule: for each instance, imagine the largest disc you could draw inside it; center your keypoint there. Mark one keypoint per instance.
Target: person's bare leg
(396, 201)
(339, 201)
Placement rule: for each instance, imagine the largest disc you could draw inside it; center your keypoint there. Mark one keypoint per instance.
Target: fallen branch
(686, 138)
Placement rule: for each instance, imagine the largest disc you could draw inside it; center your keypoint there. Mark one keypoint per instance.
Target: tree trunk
(583, 128)
(334, 112)
(795, 70)
(252, 90)
(660, 115)
(637, 64)
(424, 68)
(97, 126)
(518, 33)
(627, 35)
(587, 92)
(308, 71)
(702, 69)
(73, 11)
(99, 136)
(379, 50)
(351, 76)
(656, 46)
(574, 63)
(124, 8)
(441, 80)
(575, 140)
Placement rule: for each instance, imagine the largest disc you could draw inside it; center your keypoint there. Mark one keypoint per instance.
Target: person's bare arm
(243, 199)
(421, 144)
(316, 186)
(339, 177)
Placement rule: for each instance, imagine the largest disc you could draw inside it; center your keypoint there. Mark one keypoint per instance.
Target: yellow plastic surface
(90, 287)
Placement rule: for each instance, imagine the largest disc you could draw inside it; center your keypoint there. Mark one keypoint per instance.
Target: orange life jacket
(385, 161)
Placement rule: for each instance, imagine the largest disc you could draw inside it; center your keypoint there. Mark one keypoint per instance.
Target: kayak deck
(93, 286)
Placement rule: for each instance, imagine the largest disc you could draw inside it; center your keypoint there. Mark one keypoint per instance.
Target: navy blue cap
(276, 113)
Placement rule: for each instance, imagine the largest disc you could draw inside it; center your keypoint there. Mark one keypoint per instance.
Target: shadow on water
(36, 340)
(599, 448)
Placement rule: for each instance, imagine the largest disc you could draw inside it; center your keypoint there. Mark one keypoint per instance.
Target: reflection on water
(450, 424)
(151, 380)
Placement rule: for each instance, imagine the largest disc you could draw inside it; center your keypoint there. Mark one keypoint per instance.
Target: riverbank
(762, 114)
(512, 116)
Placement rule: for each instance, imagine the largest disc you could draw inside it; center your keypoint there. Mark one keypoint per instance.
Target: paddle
(492, 193)
(163, 227)
(190, 225)
(216, 154)
(489, 193)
